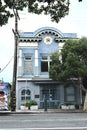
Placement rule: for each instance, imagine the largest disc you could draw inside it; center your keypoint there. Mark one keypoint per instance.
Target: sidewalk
(49, 111)
(39, 111)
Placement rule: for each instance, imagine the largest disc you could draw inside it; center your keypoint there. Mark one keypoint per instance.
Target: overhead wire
(6, 64)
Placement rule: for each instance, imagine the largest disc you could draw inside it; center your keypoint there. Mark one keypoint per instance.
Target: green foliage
(56, 66)
(73, 63)
(16, 4)
(55, 8)
(4, 14)
(30, 103)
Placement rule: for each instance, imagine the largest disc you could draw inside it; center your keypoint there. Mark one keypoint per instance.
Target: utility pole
(13, 90)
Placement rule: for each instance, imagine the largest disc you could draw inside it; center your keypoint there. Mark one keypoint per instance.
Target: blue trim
(34, 34)
(48, 28)
(40, 30)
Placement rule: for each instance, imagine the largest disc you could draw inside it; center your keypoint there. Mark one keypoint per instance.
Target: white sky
(75, 22)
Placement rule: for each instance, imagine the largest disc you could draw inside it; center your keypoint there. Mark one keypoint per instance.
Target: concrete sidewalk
(39, 111)
(50, 111)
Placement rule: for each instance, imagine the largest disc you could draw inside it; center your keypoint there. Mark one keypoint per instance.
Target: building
(5, 90)
(33, 62)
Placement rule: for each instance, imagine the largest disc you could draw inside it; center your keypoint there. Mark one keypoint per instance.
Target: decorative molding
(61, 39)
(28, 44)
(48, 40)
(29, 39)
(49, 32)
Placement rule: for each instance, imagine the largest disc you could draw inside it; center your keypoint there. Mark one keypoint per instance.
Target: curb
(42, 112)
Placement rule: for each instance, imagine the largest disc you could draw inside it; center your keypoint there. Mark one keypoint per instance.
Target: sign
(2, 86)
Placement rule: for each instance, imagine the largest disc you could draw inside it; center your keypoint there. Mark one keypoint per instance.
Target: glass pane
(22, 98)
(28, 92)
(44, 66)
(27, 66)
(23, 92)
(53, 95)
(28, 98)
(70, 90)
(44, 57)
(27, 57)
(70, 98)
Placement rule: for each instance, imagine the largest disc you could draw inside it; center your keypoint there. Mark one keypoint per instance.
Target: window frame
(45, 58)
(25, 96)
(28, 62)
(69, 94)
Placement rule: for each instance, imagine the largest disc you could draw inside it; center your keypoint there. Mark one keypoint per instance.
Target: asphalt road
(45, 121)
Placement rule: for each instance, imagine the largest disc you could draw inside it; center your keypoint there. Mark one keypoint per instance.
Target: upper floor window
(27, 64)
(45, 63)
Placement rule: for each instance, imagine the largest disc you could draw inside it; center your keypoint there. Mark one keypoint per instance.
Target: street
(44, 121)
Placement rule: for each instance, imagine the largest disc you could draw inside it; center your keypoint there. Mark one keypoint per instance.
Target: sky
(75, 22)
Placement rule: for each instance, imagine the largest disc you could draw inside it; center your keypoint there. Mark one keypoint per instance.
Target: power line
(6, 65)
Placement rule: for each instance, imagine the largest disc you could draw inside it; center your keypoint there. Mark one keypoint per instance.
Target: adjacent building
(5, 90)
(33, 62)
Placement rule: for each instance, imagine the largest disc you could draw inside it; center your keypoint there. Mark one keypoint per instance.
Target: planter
(67, 107)
(64, 107)
(34, 107)
(71, 106)
(23, 108)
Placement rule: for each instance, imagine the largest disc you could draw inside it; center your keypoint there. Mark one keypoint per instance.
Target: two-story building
(33, 62)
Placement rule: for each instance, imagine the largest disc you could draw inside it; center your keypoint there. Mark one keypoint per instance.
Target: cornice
(30, 39)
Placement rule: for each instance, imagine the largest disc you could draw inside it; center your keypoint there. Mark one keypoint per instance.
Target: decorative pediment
(37, 35)
(48, 30)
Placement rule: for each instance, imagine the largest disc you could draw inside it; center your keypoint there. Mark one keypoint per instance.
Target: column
(36, 62)
(20, 63)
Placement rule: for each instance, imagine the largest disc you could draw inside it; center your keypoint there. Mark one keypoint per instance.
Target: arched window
(25, 94)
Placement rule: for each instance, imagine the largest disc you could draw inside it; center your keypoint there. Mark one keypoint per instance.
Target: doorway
(52, 94)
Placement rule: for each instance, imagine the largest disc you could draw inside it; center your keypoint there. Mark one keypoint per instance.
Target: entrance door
(51, 93)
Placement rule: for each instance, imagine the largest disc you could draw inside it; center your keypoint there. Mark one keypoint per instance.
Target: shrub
(30, 103)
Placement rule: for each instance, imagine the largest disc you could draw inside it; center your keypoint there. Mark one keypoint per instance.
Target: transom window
(45, 63)
(27, 64)
(25, 94)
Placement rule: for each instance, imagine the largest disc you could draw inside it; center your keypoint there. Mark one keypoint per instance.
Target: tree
(55, 8)
(71, 63)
